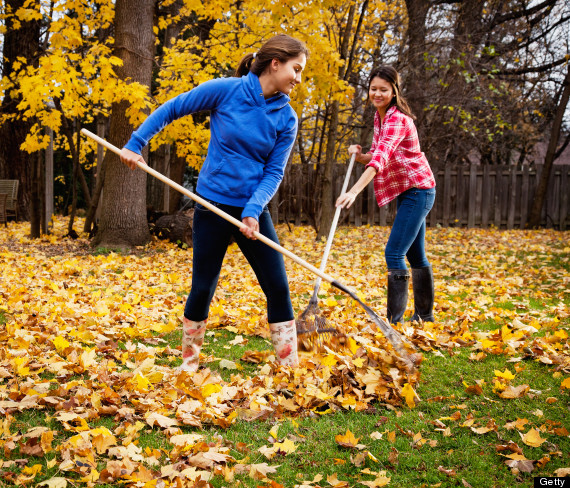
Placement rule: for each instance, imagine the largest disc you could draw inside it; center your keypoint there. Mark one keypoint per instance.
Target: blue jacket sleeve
(274, 169)
(202, 98)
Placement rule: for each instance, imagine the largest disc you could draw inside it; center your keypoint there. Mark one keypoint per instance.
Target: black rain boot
(397, 294)
(422, 283)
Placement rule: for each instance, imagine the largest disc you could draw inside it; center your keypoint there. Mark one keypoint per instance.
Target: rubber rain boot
(192, 341)
(284, 339)
(397, 295)
(422, 283)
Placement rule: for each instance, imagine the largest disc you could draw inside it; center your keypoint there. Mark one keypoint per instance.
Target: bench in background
(10, 188)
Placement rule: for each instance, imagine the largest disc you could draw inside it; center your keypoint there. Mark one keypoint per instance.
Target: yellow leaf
(358, 362)
(21, 366)
(273, 431)
(285, 447)
(60, 344)
(330, 302)
(352, 345)
(45, 441)
(163, 328)
(381, 480)
(210, 389)
(566, 383)
(329, 360)
(532, 438)
(333, 480)
(506, 374)
(409, 395)
(227, 364)
(141, 383)
(87, 358)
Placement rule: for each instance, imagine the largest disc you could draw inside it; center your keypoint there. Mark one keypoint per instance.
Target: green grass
(472, 457)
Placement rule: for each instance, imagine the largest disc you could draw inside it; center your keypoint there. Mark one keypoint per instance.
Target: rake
(310, 323)
(410, 360)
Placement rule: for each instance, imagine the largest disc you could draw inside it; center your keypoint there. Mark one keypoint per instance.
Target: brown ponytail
(281, 47)
(389, 74)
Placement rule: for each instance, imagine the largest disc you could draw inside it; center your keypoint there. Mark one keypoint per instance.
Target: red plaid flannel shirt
(397, 157)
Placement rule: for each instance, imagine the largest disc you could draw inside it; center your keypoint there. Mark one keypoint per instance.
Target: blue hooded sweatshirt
(251, 139)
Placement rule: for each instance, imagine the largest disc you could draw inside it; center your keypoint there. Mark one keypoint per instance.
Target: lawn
(90, 395)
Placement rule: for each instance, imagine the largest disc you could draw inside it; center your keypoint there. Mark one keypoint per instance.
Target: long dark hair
(389, 74)
(281, 47)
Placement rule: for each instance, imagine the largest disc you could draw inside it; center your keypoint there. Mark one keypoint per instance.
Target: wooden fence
(467, 196)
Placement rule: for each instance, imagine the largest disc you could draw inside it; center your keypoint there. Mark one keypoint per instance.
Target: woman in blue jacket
(253, 129)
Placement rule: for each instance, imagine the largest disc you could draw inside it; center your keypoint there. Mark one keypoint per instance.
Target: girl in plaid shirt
(399, 170)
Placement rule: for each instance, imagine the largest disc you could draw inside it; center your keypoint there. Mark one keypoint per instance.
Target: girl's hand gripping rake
(390, 334)
(310, 322)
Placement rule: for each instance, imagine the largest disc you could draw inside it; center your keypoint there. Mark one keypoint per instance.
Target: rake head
(312, 329)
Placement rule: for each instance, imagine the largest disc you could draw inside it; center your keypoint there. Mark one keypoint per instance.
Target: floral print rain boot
(192, 340)
(284, 339)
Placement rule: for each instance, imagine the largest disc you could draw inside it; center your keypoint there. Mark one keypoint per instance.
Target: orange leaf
(347, 440)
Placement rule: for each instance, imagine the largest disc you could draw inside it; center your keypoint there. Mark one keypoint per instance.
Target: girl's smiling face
(287, 75)
(380, 93)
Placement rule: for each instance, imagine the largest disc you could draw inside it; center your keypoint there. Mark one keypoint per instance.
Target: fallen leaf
(261, 470)
(532, 438)
(285, 447)
(448, 472)
(507, 375)
(409, 395)
(163, 421)
(56, 482)
(381, 480)
(514, 392)
(333, 480)
(524, 466)
(227, 364)
(347, 440)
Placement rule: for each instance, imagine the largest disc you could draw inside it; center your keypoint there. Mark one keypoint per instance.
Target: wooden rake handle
(388, 331)
(213, 208)
(332, 231)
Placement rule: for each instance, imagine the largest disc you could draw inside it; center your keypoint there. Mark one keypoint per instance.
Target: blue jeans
(210, 236)
(407, 238)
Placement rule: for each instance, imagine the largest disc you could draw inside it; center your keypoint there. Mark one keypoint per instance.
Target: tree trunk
(177, 169)
(15, 164)
(37, 190)
(90, 224)
(158, 192)
(123, 217)
(327, 205)
(541, 189)
(415, 82)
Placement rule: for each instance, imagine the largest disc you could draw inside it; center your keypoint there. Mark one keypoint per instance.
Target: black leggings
(211, 236)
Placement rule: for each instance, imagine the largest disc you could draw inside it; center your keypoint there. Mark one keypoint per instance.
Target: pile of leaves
(86, 335)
